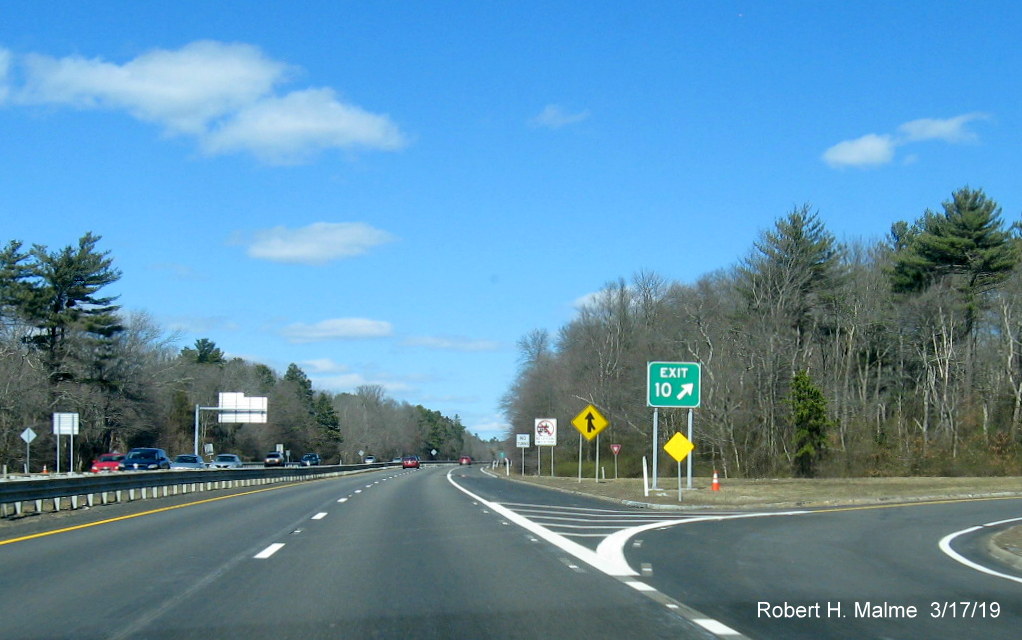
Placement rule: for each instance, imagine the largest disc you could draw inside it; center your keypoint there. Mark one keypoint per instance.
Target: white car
(226, 461)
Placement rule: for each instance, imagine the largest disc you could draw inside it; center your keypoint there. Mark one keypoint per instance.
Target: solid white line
(319, 516)
(269, 551)
(639, 586)
(945, 546)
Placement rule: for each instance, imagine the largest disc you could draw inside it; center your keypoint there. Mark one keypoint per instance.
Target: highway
(454, 552)
(379, 555)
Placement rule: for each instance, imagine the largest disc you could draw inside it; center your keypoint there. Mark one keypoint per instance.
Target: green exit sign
(673, 384)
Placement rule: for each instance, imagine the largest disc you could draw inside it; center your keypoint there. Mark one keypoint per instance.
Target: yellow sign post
(678, 447)
(589, 422)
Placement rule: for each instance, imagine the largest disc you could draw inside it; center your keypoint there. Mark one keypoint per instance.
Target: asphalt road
(379, 555)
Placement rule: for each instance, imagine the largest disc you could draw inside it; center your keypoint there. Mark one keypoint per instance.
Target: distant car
(370, 459)
(410, 462)
(106, 462)
(226, 461)
(188, 461)
(274, 459)
(144, 459)
(311, 460)
(465, 460)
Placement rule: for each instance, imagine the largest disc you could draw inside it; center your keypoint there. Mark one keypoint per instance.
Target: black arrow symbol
(590, 427)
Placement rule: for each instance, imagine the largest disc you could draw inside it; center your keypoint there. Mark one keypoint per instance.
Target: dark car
(311, 460)
(410, 462)
(274, 459)
(145, 459)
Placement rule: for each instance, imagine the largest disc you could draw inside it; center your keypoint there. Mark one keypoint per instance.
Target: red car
(410, 462)
(106, 462)
(465, 460)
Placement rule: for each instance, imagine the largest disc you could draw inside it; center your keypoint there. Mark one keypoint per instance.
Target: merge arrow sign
(589, 422)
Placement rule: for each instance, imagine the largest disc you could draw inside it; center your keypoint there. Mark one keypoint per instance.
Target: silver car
(226, 461)
(188, 461)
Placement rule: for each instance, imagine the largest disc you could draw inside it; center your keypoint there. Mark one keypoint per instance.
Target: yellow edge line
(139, 515)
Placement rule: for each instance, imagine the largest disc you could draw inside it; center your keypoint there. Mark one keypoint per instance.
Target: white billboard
(235, 407)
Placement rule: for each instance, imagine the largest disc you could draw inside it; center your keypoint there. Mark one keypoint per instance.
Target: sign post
(678, 447)
(28, 436)
(523, 444)
(546, 436)
(65, 424)
(672, 385)
(616, 448)
(589, 422)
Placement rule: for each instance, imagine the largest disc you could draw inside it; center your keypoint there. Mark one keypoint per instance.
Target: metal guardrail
(113, 486)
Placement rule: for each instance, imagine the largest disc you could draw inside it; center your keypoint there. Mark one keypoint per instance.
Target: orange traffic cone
(45, 470)
(716, 483)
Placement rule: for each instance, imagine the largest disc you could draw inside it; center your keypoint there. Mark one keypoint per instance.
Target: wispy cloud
(316, 244)
(554, 117)
(869, 150)
(337, 329)
(223, 94)
(5, 67)
(452, 343)
(874, 149)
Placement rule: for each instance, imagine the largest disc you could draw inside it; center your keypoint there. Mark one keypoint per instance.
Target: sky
(395, 193)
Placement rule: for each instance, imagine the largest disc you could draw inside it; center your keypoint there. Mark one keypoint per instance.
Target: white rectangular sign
(546, 432)
(523, 440)
(65, 424)
(235, 407)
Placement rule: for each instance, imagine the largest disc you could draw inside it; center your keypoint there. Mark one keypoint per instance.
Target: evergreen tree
(810, 423)
(965, 248)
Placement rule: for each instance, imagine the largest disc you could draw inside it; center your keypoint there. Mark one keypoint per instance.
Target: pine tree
(810, 422)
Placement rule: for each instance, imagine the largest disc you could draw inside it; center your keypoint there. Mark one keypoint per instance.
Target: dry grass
(788, 492)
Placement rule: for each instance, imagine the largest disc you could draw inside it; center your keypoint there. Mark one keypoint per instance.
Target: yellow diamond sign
(589, 422)
(679, 447)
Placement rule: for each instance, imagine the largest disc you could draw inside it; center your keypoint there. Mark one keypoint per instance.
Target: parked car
(410, 462)
(144, 459)
(465, 460)
(311, 460)
(226, 461)
(274, 459)
(188, 461)
(106, 462)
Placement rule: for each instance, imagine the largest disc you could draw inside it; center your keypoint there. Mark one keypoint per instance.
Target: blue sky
(395, 193)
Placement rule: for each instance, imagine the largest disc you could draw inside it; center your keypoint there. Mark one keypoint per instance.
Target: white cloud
(317, 243)
(877, 149)
(453, 343)
(290, 129)
(870, 149)
(182, 90)
(5, 69)
(337, 329)
(222, 94)
(949, 130)
(324, 365)
(554, 117)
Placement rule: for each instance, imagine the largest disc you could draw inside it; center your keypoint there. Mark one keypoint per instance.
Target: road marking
(269, 551)
(143, 513)
(639, 586)
(319, 516)
(713, 626)
(945, 546)
(343, 500)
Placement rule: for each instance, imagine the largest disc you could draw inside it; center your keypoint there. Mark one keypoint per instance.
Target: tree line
(889, 357)
(67, 347)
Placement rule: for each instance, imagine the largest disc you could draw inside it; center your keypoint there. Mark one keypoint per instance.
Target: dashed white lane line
(343, 500)
(269, 551)
(715, 627)
(319, 516)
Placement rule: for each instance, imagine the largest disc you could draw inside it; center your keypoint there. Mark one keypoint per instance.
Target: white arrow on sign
(686, 390)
